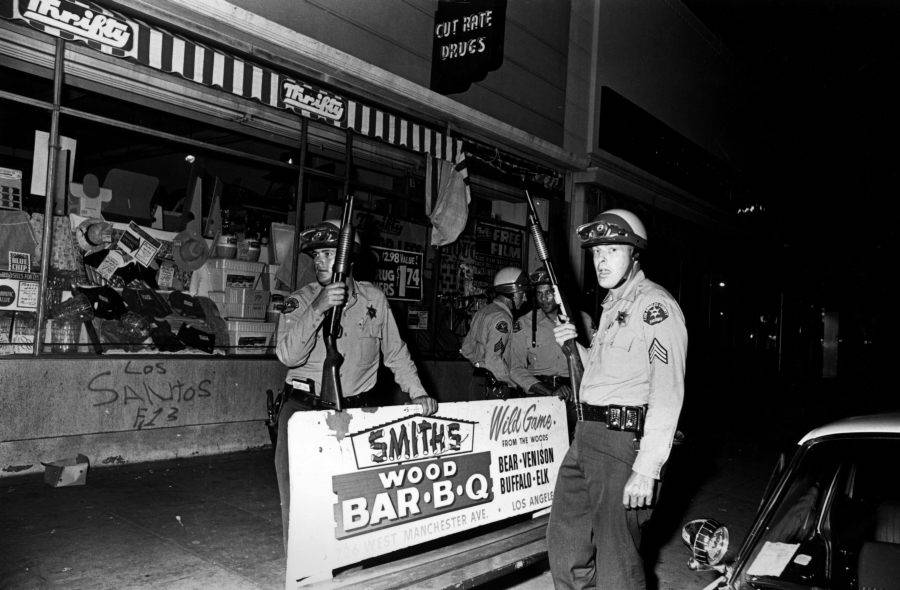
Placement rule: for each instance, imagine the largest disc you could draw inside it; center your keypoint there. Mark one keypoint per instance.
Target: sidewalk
(214, 522)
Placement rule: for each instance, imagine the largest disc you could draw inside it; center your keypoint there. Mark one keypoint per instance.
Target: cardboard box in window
(250, 337)
(71, 471)
(241, 303)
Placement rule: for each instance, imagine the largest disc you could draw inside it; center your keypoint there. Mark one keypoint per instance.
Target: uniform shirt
(487, 343)
(546, 357)
(637, 357)
(369, 330)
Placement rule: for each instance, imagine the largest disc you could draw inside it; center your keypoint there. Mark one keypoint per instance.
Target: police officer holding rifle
(630, 399)
(331, 336)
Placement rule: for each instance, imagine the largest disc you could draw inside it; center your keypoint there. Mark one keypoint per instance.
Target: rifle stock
(570, 347)
(332, 391)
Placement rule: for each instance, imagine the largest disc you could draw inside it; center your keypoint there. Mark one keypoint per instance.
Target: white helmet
(614, 226)
(509, 280)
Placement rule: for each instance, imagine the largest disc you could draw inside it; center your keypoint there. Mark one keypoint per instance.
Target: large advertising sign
(399, 273)
(369, 482)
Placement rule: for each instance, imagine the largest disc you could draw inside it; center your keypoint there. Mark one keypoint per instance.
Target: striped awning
(115, 34)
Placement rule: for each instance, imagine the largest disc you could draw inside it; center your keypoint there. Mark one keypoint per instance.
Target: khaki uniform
(637, 357)
(487, 343)
(369, 330)
(546, 357)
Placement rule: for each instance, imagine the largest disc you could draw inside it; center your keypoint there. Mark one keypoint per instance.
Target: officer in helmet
(537, 364)
(487, 343)
(369, 333)
(631, 396)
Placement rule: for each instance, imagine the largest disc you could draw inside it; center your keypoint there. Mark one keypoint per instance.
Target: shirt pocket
(621, 357)
(369, 342)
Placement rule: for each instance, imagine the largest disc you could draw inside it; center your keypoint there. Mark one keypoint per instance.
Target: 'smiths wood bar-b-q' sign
(468, 43)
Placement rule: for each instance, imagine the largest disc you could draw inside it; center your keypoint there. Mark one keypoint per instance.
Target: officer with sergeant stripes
(631, 396)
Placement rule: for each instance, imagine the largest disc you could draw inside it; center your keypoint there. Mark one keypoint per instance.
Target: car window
(835, 523)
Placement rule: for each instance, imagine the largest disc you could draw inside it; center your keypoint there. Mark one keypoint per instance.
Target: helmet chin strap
(633, 268)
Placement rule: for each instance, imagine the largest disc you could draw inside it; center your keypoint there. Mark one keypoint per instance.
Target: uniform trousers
(593, 539)
(291, 405)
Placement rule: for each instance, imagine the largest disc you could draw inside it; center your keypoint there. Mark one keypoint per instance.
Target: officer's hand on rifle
(539, 389)
(564, 332)
(564, 392)
(429, 404)
(330, 296)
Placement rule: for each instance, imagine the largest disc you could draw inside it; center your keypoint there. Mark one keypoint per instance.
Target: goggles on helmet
(540, 277)
(605, 232)
(318, 235)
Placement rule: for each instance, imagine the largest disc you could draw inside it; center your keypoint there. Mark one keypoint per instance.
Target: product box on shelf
(226, 272)
(250, 337)
(241, 303)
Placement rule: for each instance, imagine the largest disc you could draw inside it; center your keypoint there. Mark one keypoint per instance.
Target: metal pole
(298, 218)
(53, 155)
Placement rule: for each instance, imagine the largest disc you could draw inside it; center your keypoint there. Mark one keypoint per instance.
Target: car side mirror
(708, 541)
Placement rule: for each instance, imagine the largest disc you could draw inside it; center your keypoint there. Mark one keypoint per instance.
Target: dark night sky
(820, 113)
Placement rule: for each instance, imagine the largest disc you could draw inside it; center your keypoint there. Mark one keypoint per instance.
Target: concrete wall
(658, 55)
(125, 411)
(527, 92)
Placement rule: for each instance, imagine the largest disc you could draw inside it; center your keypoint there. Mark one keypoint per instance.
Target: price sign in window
(399, 273)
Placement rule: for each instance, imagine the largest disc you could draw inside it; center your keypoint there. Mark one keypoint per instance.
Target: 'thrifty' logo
(318, 102)
(80, 19)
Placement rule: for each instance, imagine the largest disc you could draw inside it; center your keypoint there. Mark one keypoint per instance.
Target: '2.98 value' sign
(399, 273)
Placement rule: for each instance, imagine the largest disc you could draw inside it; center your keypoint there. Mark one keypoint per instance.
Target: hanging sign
(71, 19)
(368, 482)
(399, 273)
(309, 101)
(468, 43)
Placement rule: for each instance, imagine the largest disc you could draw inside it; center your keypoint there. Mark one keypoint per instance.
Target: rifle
(570, 348)
(331, 325)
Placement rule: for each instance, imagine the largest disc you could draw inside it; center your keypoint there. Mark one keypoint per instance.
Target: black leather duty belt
(625, 418)
(308, 399)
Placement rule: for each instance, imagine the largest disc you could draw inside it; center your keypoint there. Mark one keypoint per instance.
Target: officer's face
(612, 263)
(544, 294)
(323, 258)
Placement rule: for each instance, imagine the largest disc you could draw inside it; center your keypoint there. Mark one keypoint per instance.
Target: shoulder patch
(516, 326)
(290, 304)
(502, 327)
(655, 313)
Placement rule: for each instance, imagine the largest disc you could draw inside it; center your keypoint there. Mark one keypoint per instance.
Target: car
(829, 518)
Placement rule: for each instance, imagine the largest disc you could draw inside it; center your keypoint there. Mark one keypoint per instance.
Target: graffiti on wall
(150, 394)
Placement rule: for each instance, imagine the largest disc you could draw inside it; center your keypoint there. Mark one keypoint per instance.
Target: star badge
(371, 311)
(622, 317)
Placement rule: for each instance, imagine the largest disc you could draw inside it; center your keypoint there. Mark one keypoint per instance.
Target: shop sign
(467, 43)
(74, 19)
(19, 291)
(305, 99)
(499, 241)
(368, 482)
(399, 273)
(469, 264)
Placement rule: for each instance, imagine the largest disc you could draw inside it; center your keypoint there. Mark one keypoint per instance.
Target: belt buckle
(632, 419)
(614, 417)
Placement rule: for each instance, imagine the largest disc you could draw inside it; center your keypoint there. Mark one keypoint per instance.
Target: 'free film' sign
(366, 483)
